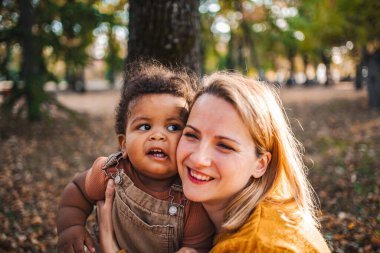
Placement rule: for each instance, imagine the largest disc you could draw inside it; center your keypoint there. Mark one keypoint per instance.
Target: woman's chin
(192, 194)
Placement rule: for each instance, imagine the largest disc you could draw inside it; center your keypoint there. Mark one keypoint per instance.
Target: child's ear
(122, 142)
(262, 165)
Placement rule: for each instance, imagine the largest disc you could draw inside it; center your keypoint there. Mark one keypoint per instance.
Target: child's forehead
(144, 99)
(156, 103)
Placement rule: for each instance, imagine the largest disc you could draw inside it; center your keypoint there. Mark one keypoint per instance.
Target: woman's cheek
(181, 148)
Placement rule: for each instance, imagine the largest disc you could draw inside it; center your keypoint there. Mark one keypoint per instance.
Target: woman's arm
(107, 239)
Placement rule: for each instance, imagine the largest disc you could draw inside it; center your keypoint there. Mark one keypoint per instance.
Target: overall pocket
(140, 236)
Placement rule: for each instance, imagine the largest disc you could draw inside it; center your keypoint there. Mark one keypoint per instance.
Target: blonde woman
(239, 158)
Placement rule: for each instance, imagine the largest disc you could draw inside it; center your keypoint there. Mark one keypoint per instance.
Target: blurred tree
(116, 23)
(113, 60)
(362, 26)
(45, 31)
(168, 31)
(78, 19)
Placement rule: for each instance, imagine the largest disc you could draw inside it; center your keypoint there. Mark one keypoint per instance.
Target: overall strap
(110, 168)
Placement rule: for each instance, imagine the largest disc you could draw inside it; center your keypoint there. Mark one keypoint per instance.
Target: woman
(239, 158)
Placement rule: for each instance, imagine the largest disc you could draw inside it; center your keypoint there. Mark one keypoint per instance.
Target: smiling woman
(238, 157)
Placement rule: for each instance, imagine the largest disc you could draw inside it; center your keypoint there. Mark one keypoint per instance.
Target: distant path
(102, 103)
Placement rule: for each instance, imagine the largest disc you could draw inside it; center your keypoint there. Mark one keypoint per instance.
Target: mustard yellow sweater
(268, 231)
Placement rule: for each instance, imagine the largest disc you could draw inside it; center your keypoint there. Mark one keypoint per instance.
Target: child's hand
(186, 250)
(73, 239)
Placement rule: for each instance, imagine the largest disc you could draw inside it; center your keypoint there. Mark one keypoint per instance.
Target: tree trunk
(75, 78)
(326, 60)
(359, 78)
(250, 43)
(291, 80)
(31, 62)
(374, 79)
(308, 82)
(167, 31)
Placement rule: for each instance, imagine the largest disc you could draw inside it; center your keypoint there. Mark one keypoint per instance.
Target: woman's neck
(216, 213)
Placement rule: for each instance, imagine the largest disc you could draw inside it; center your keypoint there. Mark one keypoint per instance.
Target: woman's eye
(173, 128)
(190, 135)
(144, 127)
(226, 147)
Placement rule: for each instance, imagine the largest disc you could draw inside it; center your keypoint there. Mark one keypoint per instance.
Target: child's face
(153, 129)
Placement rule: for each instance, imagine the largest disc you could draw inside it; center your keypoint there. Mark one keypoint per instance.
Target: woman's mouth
(197, 177)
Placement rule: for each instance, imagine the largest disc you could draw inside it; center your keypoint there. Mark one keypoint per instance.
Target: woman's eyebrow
(192, 127)
(220, 137)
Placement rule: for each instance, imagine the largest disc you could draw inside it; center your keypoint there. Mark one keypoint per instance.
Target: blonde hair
(284, 182)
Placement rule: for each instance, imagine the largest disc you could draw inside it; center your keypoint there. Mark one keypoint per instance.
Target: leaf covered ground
(342, 151)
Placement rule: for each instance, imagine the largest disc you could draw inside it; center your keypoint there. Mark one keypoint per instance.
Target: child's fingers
(89, 242)
(66, 249)
(78, 246)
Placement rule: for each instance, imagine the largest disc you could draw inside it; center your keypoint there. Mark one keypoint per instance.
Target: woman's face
(216, 154)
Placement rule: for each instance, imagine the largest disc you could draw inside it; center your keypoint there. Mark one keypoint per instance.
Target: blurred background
(61, 68)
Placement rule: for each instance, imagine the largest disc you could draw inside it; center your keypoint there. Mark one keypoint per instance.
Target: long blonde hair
(284, 181)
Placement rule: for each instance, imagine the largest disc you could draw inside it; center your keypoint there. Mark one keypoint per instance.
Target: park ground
(340, 134)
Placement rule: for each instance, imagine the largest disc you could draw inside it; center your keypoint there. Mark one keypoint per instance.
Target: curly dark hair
(151, 77)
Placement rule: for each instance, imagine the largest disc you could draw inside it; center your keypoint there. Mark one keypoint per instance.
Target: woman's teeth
(199, 177)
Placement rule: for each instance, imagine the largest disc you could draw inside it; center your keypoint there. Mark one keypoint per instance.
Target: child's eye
(144, 127)
(173, 128)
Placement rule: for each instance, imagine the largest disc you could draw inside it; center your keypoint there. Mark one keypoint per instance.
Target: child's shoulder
(110, 161)
(99, 162)
(99, 173)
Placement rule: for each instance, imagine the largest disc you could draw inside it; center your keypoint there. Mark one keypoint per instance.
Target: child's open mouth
(157, 153)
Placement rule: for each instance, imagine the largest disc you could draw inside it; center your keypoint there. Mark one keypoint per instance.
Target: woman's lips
(197, 177)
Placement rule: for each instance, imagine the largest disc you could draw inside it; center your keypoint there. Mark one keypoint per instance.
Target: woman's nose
(201, 157)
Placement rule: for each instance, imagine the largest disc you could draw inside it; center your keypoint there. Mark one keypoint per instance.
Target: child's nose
(157, 136)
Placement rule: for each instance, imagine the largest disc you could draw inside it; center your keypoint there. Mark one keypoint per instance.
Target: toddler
(151, 213)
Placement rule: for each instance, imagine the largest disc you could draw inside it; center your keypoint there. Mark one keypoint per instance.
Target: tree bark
(374, 79)
(31, 61)
(167, 31)
(359, 78)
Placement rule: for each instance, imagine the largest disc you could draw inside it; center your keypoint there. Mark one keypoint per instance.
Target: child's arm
(73, 210)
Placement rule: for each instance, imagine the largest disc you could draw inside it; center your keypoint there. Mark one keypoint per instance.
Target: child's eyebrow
(174, 119)
(140, 119)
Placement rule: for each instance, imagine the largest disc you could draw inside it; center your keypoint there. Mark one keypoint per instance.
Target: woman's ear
(262, 165)
(122, 142)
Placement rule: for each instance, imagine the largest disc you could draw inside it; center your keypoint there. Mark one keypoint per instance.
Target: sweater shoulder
(269, 230)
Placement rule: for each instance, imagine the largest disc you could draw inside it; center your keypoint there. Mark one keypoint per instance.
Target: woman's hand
(186, 250)
(107, 239)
